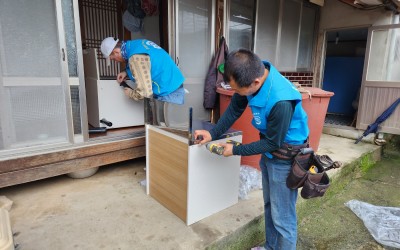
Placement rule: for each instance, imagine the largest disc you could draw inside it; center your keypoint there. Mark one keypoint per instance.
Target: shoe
(258, 248)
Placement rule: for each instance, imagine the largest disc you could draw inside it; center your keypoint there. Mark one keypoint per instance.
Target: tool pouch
(314, 184)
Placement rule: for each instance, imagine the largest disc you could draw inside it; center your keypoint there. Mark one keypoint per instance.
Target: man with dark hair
(278, 114)
(149, 66)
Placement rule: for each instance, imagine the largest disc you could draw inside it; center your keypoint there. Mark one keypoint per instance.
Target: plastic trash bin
(250, 134)
(316, 109)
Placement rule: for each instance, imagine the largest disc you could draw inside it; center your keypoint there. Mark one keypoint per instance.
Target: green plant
(366, 163)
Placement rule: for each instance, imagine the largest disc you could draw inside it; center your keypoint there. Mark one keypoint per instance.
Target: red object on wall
(315, 108)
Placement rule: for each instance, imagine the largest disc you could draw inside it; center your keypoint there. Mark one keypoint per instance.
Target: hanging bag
(309, 173)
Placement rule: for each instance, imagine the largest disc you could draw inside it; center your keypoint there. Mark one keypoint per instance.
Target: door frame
(361, 117)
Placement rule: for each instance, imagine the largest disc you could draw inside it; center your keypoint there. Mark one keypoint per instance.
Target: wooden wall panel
(168, 166)
(374, 102)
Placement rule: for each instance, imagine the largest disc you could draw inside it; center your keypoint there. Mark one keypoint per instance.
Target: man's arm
(140, 67)
(232, 113)
(278, 123)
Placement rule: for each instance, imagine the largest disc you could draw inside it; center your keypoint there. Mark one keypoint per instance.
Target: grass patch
(326, 223)
(366, 163)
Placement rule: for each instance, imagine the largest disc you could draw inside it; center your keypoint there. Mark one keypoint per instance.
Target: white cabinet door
(34, 93)
(381, 78)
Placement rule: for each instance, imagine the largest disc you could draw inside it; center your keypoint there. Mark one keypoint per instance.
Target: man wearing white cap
(150, 66)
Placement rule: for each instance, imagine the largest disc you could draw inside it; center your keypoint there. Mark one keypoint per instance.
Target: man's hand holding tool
(202, 137)
(226, 149)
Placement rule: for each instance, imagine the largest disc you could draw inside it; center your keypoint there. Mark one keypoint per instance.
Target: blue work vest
(165, 75)
(277, 88)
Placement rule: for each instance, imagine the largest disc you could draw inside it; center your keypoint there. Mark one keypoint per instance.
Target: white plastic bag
(382, 222)
(250, 179)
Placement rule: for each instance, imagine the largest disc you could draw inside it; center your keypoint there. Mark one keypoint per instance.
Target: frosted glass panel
(306, 38)
(69, 27)
(241, 24)
(33, 108)
(290, 35)
(194, 37)
(38, 114)
(29, 38)
(267, 29)
(76, 109)
(384, 57)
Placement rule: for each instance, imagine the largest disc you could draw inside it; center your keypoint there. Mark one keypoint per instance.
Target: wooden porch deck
(101, 149)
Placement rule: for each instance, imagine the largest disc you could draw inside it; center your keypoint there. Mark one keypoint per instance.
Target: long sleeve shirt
(277, 126)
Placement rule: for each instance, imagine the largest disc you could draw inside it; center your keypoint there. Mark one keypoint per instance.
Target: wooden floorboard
(64, 167)
(117, 145)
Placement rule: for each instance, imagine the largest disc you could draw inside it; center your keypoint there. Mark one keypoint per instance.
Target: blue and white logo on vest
(257, 118)
(150, 43)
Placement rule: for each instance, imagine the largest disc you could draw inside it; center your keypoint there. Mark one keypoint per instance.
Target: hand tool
(235, 143)
(313, 169)
(215, 148)
(219, 150)
(106, 122)
(198, 139)
(190, 135)
(125, 85)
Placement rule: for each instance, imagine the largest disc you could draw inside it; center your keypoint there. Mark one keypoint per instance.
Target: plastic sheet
(382, 222)
(143, 183)
(250, 179)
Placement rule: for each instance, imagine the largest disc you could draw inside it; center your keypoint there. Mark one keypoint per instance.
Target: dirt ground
(326, 223)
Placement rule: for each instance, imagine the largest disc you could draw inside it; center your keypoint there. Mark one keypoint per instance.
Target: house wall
(350, 17)
(303, 78)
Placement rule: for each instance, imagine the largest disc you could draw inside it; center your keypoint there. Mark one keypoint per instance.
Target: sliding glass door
(34, 93)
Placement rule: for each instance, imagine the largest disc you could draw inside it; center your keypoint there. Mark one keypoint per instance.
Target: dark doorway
(344, 62)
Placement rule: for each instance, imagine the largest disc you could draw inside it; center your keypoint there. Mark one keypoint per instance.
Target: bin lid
(225, 91)
(316, 92)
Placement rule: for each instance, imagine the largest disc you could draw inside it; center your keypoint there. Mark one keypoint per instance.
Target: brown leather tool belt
(287, 151)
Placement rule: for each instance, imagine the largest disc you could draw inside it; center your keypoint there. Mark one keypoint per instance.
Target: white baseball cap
(107, 46)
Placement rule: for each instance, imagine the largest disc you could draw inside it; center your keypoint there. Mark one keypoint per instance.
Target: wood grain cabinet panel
(189, 180)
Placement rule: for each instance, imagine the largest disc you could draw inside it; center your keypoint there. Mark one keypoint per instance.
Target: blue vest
(165, 75)
(277, 88)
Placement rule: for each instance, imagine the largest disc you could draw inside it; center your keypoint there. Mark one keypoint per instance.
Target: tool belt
(309, 173)
(287, 151)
